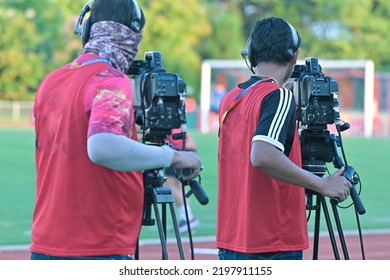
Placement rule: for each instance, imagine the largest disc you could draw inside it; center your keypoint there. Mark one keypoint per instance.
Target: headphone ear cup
(137, 17)
(295, 39)
(251, 57)
(86, 31)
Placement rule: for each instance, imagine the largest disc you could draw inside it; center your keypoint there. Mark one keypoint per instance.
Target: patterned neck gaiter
(114, 41)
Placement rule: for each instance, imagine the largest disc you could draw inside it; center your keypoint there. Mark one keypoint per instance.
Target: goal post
(236, 71)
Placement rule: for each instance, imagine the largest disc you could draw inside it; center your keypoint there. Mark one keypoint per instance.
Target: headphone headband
(296, 39)
(77, 29)
(248, 53)
(137, 20)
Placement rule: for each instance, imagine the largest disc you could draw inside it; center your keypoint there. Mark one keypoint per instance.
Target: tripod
(156, 194)
(320, 201)
(318, 167)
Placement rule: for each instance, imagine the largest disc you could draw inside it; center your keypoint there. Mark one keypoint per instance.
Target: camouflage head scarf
(114, 41)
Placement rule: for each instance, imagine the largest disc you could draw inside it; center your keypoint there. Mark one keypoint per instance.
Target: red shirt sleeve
(111, 107)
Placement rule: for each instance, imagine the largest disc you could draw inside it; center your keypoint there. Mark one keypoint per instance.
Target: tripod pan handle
(349, 174)
(358, 202)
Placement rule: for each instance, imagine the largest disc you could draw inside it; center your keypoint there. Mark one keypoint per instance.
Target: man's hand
(336, 185)
(187, 159)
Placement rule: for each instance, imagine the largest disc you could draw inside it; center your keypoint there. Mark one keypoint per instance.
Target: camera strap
(95, 60)
(237, 100)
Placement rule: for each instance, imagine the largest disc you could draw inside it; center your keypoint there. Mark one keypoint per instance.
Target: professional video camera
(317, 95)
(158, 97)
(159, 105)
(318, 106)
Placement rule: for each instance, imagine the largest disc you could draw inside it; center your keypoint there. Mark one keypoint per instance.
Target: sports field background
(370, 158)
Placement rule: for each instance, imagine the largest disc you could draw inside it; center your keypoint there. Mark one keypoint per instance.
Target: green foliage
(37, 36)
(349, 29)
(174, 28)
(32, 44)
(20, 62)
(227, 38)
(368, 22)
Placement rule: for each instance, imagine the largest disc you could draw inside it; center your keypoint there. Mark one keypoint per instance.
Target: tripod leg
(162, 195)
(136, 254)
(340, 231)
(164, 219)
(161, 233)
(316, 229)
(177, 234)
(330, 228)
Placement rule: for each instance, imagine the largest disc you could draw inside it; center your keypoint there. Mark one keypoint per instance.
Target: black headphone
(137, 21)
(249, 54)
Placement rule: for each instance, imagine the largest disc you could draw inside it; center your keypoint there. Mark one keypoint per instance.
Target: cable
(359, 208)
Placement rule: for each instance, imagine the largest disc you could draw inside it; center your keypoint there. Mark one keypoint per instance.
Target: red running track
(376, 246)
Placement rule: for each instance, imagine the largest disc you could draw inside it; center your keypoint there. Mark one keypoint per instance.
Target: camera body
(317, 95)
(318, 106)
(158, 96)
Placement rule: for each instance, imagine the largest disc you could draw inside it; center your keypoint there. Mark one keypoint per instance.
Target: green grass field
(370, 158)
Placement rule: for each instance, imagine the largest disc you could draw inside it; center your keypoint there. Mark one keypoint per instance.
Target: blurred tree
(227, 38)
(366, 35)
(349, 29)
(37, 36)
(21, 66)
(175, 28)
(34, 41)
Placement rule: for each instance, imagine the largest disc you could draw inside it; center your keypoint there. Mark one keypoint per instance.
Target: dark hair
(273, 40)
(111, 10)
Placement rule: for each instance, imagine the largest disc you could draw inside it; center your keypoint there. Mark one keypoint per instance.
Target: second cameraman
(261, 212)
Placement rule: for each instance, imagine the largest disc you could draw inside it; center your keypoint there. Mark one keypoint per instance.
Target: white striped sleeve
(275, 110)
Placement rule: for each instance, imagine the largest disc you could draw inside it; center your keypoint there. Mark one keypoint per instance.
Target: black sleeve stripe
(280, 114)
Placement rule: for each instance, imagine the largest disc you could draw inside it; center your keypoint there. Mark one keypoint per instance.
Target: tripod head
(316, 149)
(153, 182)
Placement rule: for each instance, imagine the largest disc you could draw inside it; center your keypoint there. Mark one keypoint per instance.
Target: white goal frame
(366, 65)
